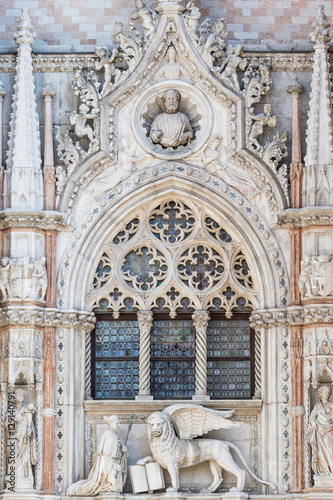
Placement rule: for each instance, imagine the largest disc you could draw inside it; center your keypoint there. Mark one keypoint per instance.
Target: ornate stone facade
(166, 239)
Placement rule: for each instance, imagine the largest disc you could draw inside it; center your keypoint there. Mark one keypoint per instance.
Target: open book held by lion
(171, 434)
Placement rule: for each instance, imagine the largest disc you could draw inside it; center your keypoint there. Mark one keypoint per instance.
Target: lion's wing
(195, 420)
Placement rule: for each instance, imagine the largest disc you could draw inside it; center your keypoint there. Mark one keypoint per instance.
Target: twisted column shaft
(145, 319)
(200, 323)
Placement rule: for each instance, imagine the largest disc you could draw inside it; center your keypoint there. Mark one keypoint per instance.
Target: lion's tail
(234, 447)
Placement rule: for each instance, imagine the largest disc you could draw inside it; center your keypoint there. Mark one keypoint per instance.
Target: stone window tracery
(174, 258)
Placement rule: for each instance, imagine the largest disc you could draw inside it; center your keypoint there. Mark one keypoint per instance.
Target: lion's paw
(235, 489)
(171, 490)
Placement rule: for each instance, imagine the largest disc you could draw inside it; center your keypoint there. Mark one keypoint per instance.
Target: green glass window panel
(229, 379)
(172, 379)
(116, 379)
(228, 339)
(172, 367)
(116, 339)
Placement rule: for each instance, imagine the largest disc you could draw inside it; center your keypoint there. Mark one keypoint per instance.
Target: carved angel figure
(304, 281)
(109, 469)
(171, 69)
(191, 17)
(106, 62)
(5, 278)
(210, 156)
(175, 449)
(320, 434)
(79, 120)
(230, 64)
(147, 15)
(259, 122)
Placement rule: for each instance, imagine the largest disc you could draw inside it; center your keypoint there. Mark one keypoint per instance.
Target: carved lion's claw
(170, 490)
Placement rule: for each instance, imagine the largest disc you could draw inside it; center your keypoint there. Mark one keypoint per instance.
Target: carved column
(296, 167)
(200, 323)
(145, 319)
(295, 265)
(2, 95)
(48, 412)
(297, 408)
(49, 171)
(50, 254)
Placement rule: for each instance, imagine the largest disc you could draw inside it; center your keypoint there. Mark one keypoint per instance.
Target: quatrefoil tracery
(173, 257)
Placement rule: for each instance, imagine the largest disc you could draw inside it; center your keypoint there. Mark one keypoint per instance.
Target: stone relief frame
(197, 103)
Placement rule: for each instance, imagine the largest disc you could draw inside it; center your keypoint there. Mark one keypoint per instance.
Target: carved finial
(295, 87)
(48, 91)
(320, 35)
(24, 35)
(2, 91)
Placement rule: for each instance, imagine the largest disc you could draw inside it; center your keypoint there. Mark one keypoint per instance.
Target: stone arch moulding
(80, 258)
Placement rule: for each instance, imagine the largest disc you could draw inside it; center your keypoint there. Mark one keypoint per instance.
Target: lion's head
(159, 426)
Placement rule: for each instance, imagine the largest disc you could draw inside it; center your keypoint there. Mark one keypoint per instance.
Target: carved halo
(194, 104)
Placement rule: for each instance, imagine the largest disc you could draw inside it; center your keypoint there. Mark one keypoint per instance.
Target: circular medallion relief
(172, 119)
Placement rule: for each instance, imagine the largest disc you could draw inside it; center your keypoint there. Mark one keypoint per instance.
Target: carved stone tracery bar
(200, 323)
(145, 320)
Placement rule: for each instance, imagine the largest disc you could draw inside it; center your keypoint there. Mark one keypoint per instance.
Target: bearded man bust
(171, 128)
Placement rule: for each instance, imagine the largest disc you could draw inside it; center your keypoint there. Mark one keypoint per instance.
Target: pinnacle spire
(318, 178)
(23, 177)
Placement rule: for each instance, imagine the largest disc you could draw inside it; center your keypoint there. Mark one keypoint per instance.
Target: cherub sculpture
(191, 16)
(230, 64)
(259, 122)
(106, 60)
(148, 17)
(79, 121)
(174, 450)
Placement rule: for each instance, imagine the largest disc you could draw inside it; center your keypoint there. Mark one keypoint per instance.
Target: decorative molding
(285, 429)
(305, 217)
(64, 63)
(298, 315)
(22, 315)
(12, 219)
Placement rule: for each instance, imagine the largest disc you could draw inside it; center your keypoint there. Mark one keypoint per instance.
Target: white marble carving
(227, 72)
(145, 11)
(171, 69)
(23, 278)
(210, 157)
(316, 277)
(173, 452)
(320, 434)
(106, 60)
(171, 128)
(23, 433)
(109, 470)
(23, 186)
(191, 17)
(258, 124)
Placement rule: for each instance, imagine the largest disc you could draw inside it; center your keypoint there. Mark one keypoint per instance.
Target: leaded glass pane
(172, 366)
(228, 339)
(116, 339)
(116, 379)
(172, 379)
(229, 379)
(116, 359)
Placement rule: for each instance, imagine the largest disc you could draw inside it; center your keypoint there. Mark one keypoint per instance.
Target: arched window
(172, 293)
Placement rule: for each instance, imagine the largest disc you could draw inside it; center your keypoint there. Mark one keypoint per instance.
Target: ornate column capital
(48, 92)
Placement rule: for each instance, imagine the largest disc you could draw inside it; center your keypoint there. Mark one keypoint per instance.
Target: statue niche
(171, 121)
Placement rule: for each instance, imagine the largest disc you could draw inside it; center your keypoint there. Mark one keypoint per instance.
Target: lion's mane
(167, 442)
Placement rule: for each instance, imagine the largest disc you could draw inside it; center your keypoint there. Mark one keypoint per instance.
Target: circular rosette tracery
(144, 268)
(200, 267)
(171, 222)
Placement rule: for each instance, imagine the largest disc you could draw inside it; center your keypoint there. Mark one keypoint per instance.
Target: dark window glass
(116, 359)
(229, 366)
(172, 366)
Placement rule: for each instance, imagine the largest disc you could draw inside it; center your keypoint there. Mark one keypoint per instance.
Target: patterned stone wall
(79, 25)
